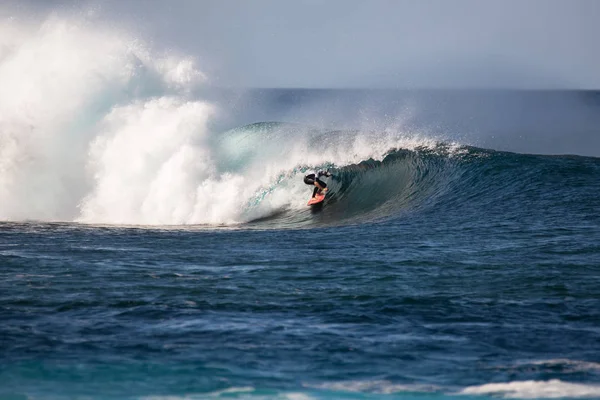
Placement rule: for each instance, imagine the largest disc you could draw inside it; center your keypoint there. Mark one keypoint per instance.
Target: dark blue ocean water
(429, 274)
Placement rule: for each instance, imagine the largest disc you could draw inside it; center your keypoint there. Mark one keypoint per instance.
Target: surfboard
(319, 197)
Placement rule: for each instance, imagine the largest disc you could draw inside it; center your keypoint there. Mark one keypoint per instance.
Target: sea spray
(63, 80)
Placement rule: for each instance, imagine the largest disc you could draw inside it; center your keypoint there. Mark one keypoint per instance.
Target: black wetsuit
(310, 179)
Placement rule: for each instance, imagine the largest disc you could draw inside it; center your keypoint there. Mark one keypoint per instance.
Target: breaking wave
(97, 128)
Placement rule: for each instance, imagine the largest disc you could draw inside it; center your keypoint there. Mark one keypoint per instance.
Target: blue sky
(375, 43)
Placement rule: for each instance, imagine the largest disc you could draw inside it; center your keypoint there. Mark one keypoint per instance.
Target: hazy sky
(367, 43)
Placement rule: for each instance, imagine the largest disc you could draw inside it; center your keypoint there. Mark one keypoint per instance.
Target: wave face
(97, 128)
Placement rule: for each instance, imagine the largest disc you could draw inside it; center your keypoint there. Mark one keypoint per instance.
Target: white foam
(374, 386)
(146, 162)
(232, 390)
(551, 389)
(297, 396)
(59, 78)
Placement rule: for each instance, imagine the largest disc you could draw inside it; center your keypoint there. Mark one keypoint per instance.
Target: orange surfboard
(319, 197)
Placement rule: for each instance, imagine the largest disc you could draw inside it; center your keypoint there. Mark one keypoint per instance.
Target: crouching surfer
(313, 179)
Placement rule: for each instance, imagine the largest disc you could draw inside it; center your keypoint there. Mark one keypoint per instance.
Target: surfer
(313, 179)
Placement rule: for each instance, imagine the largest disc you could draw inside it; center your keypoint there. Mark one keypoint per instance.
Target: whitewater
(155, 240)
